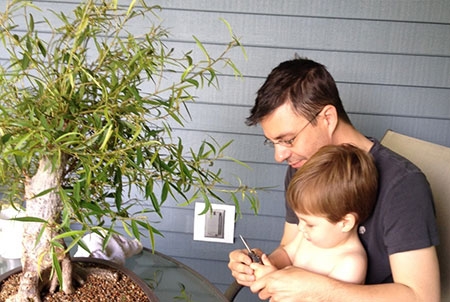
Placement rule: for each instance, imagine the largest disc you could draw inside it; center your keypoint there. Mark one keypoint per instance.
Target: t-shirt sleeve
(410, 223)
(290, 214)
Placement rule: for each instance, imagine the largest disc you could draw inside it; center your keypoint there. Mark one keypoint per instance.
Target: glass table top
(170, 279)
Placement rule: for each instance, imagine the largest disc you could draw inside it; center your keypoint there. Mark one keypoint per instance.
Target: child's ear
(348, 222)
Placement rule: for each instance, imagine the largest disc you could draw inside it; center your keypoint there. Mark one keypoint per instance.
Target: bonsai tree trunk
(42, 202)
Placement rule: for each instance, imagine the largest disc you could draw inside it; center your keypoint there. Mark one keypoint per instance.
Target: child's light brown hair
(335, 181)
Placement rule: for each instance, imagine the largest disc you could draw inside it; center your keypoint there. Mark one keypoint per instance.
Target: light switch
(215, 224)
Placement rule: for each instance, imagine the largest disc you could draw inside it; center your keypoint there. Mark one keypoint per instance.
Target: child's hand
(260, 270)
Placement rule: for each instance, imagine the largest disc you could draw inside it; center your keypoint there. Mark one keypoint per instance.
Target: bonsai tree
(87, 108)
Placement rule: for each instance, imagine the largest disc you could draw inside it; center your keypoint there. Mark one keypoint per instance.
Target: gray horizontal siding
(391, 60)
(408, 11)
(314, 33)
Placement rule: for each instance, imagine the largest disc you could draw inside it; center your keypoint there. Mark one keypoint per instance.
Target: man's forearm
(338, 291)
(295, 284)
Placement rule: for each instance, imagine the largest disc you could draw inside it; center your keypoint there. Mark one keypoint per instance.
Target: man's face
(284, 125)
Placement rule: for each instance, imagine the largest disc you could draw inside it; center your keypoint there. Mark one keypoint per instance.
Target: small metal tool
(252, 254)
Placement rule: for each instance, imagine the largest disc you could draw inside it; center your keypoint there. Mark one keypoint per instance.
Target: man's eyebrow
(279, 137)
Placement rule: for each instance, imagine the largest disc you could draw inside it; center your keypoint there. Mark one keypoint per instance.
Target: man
(299, 110)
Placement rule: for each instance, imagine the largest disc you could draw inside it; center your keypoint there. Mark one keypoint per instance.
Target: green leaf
(165, 191)
(41, 47)
(5, 138)
(43, 193)
(29, 219)
(77, 191)
(76, 240)
(203, 49)
(69, 234)
(93, 207)
(56, 266)
(25, 62)
(139, 156)
(186, 72)
(31, 23)
(155, 203)
(109, 132)
(193, 82)
(131, 7)
(135, 229)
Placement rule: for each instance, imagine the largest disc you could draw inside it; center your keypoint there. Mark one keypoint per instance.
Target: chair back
(434, 161)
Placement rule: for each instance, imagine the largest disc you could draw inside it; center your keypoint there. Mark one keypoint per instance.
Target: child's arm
(278, 259)
(264, 268)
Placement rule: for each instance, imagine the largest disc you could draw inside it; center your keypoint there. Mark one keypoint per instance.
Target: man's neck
(347, 134)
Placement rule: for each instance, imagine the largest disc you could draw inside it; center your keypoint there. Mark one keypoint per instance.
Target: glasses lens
(268, 143)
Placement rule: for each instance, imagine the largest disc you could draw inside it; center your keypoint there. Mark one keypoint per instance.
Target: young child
(331, 193)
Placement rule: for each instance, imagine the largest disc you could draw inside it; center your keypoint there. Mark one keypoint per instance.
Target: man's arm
(415, 273)
(289, 234)
(278, 257)
(419, 270)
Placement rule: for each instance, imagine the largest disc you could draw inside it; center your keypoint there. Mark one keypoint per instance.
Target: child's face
(320, 231)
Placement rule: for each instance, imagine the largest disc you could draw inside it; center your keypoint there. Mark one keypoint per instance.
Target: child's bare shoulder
(351, 267)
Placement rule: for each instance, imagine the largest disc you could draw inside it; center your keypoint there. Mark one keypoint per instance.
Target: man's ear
(330, 117)
(348, 222)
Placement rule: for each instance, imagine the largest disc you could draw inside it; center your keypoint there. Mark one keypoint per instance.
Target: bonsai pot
(122, 273)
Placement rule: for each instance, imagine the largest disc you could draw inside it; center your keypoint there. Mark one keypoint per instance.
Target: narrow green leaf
(139, 156)
(130, 8)
(57, 266)
(69, 234)
(135, 229)
(203, 49)
(43, 193)
(29, 219)
(165, 191)
(76, 240)
(186, 72)
(193, 82)
(109, 132)
(126, 228)
(41, 47)
(237, 205)
(31, 23)
(93, 207)
(155, 203)
(225, 146)
(77, 191)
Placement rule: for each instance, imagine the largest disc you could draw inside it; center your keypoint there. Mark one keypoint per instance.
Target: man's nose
(281, 153)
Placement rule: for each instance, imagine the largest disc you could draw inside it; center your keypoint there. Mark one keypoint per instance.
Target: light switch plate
(216, 225)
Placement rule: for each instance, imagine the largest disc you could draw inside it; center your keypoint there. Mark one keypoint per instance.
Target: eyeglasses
(290, 142)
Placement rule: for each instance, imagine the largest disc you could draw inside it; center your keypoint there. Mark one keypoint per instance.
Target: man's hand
(285, 285)
(239, 265)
